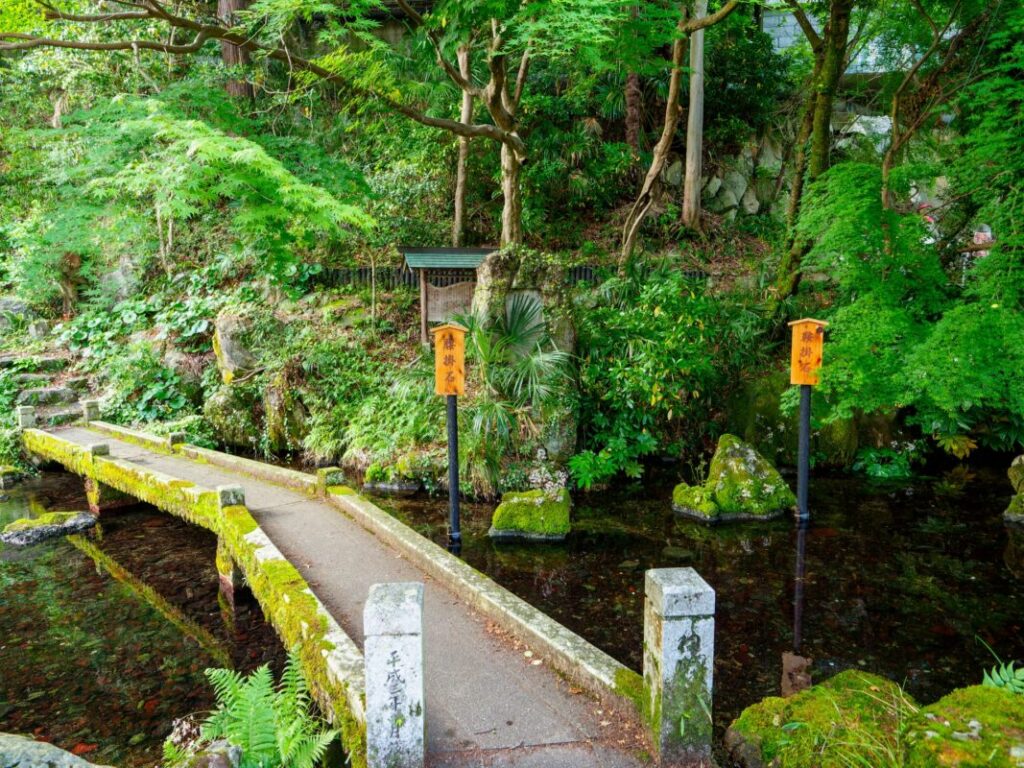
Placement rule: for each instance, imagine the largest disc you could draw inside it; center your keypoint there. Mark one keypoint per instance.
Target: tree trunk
(695, 125)
(634, 98)
(800, 163)
(232, 55)
(459, 219)
(833, 64)
(645, 199)
(512, 210)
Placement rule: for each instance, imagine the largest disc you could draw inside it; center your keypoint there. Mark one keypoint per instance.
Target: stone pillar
(393, 651)
(328, 476)
(103, 498)
(230, 496)
(90, 410)
(26, 417)
(679, 654)
(176, 438)
(230, 579)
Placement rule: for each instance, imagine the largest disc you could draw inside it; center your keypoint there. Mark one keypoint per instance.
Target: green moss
(541, 514)
(630, 686)
(47, 518)
(744, 482)
(340, 490)
(1016, 474)
(976, 726)
(694, 500)
(852, 717)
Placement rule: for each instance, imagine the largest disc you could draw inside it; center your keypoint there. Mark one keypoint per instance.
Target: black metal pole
(454, 528)
(804, 452)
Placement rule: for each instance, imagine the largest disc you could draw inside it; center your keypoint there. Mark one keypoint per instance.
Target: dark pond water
(900, 579)
(104, 637)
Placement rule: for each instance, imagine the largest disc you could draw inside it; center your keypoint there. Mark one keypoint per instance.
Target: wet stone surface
(104, 643)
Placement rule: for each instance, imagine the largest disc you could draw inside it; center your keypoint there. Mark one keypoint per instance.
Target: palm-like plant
(519, 370)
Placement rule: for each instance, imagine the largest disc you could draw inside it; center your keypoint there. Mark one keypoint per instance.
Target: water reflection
(896, 579)
(105, 637)
(796, 674)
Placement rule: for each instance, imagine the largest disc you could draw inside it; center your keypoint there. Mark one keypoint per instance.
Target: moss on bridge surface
(331, 662)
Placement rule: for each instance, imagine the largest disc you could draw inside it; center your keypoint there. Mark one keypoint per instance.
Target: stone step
(47, 396)
(35, 362)
(57, 415)
(32, 379)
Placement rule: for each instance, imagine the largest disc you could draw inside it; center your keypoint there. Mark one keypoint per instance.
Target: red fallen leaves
(82, 748)
(150, 706)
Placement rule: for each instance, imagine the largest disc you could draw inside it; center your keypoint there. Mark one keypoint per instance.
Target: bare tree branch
(435, 41)
(805, 24)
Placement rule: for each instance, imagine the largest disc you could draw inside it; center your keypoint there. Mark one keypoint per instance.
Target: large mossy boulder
(856, 718)
(234, 415)
(741, 485)
(230, 345)
(23, 752)
(825, 726)
(976, 726)
(285, 415)
(532, 516)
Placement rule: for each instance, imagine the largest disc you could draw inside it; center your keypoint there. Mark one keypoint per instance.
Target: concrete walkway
(488, 704)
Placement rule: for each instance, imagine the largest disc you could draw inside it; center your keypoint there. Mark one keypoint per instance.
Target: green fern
(273, 727)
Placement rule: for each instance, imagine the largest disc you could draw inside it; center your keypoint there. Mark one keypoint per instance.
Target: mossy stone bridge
(417, 658)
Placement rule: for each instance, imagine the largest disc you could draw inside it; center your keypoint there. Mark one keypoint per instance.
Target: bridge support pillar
(230, 579)
(103, 498)
(679, 654)
(393, 652)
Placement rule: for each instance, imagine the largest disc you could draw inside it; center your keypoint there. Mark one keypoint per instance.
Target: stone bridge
(500, 682)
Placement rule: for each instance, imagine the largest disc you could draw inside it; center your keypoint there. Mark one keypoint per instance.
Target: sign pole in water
(808, 346)
(450, 381)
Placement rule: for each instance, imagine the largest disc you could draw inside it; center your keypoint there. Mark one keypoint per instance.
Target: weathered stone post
(230, 496)
(395, 717)
(328, 476)
(26, 417)
(679, 654)
(90, 410)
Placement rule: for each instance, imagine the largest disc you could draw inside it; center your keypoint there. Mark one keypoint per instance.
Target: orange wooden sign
(808, 345)
(449, 359)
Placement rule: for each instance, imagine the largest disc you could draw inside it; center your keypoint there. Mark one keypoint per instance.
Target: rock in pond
(532, 516)
(741, 485)
(1015, 512)
(23, 752)
(857, 718)
(820, 727)
(9, 476)
(397, 488)
(32, 530)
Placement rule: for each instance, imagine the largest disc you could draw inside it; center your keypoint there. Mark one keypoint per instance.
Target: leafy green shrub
(197, 430)
(141, 389)
(889, 463)
(658, 357)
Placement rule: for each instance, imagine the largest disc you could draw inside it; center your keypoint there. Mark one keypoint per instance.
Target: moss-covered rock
(532, 515)
(976, 726)
(286, 416)
(1016, 474)
(741, 485)
(835, 724)
(9, 476)
(233, 414)
(31, 530)
(230, 345)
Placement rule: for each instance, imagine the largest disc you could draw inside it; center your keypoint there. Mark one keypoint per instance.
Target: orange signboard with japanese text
(808, 346)
(449, 359)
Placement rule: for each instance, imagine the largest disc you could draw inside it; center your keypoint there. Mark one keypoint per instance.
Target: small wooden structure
(447, 278)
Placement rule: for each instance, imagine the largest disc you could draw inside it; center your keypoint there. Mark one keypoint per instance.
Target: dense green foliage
(142, 200)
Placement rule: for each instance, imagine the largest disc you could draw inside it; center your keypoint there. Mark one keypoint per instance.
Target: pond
(105, 636)
(901, 579)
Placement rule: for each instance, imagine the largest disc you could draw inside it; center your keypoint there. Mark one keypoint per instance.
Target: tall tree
(814, 139)
(459, 218)
(695, 124)
(234, 56)
(508, 33)
(685, 26)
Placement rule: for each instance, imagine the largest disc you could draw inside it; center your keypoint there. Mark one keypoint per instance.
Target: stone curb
(290, 478)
